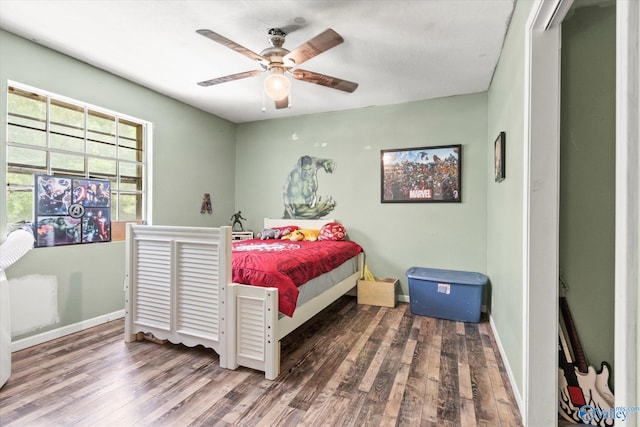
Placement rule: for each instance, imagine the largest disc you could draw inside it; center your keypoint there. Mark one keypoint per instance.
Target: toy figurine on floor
(235, 219)
(206, 204)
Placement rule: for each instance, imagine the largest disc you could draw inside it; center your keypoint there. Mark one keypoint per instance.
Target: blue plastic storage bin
(446, 294)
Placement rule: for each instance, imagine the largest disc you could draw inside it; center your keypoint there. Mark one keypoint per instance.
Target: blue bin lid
(447, 276)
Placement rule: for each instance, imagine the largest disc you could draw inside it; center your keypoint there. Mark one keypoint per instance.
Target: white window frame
(147, 132)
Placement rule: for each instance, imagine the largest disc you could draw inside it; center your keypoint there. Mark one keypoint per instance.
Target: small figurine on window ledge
(206, 204)
(235, 219)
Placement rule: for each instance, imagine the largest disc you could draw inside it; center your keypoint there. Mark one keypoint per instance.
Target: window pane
(64, 142)
(101, 134)
(67, 119)
(128, 207)
(101, 149)
(102, 167)
(20, 179)
(114, 206)
(27, 109)
(130, 154)
(130, 170)
(29, 136)
(130, 134)
(130, 186)
(26, 157)
(19, 197)
(19, 206)
(65, 164)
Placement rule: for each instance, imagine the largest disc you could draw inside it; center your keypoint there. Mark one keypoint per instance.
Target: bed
(179, 288)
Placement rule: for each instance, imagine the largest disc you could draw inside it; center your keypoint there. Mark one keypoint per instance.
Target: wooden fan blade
(230, 78)
(232, 45)
(324, 80)
(283, 103)
(313, 47)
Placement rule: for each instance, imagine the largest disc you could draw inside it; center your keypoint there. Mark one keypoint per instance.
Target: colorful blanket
(286, 265)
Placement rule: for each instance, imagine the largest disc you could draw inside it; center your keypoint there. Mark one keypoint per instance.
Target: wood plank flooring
(351, 365)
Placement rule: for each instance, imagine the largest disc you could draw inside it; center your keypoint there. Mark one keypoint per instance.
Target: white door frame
(541, 211)
(627, 206)
(541, 207)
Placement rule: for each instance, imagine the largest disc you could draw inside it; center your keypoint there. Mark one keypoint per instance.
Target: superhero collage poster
(71, 210)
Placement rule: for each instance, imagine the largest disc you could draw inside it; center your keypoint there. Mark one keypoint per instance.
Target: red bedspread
(286, 265)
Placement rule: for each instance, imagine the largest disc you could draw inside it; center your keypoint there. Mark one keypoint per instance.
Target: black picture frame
(421, 175)
(71, 210)
(499, 150)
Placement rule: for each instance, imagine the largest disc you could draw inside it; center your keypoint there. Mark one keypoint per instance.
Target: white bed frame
(178, 288)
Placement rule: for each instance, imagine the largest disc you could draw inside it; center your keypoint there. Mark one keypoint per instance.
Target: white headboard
(309, 224)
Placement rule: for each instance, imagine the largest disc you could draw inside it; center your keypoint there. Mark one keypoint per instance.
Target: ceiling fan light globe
(277, 86)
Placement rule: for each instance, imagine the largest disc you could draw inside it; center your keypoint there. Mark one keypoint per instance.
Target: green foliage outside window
(50, 136)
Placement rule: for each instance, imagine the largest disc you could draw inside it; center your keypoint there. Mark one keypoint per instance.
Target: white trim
(65, 330)
(147, 178)
(627, 215)
(540, 211)
(552, 13)
(76, 102)
(507, 366)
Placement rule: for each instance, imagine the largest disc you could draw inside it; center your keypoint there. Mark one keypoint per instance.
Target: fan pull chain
(264, 106)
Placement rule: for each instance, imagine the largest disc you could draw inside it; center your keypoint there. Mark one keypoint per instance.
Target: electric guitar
(579, 383)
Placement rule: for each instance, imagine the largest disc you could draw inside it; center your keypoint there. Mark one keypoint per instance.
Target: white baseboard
(65, 330)
(507, 366)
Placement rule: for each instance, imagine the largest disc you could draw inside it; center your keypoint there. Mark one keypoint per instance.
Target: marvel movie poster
(71, 210)
(426, 174)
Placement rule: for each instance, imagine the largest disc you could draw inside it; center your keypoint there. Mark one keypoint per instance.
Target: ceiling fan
(279, 62)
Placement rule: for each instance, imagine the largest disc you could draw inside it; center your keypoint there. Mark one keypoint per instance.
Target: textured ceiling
(398, 51)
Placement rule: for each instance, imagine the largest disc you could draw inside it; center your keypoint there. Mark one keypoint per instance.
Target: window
(53, 135)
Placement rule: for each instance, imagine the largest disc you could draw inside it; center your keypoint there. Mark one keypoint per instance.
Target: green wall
(395, 236)
(505, 216)
(587, 176)
(193, 153)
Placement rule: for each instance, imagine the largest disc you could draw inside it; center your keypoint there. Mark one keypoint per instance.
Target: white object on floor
(17, 244)
(5, 330)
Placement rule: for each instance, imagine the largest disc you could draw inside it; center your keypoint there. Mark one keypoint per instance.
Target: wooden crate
(381, 292)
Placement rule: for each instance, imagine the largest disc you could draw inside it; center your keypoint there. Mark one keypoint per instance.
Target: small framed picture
(500, 159)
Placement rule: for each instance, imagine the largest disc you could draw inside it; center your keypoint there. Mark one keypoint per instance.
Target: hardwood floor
(352, 365)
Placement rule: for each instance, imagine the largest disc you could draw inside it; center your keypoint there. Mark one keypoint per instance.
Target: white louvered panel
(250, 328)
(198, 289)
(153, 283)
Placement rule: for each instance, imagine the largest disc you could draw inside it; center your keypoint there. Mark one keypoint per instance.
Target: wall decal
(206, 204)
(300, 189)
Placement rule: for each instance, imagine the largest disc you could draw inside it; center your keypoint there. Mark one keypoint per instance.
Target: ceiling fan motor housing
(276, 52)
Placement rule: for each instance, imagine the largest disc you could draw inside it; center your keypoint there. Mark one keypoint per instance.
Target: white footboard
(178, 288)
(175, 287)
(259, 328)
(255, 343)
